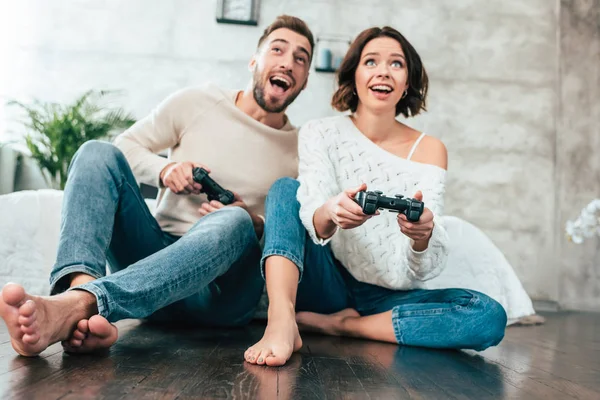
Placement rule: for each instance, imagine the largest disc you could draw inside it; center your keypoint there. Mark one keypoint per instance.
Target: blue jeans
(209, 276)
(445, 318)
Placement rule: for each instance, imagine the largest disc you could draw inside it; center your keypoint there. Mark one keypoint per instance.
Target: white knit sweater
(334, 156)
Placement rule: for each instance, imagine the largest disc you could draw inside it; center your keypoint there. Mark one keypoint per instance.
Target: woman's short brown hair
(345, 97)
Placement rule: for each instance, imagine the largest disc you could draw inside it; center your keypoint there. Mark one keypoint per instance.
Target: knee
(98, 153)
(491, 321)
(238, 225)
(284, 187)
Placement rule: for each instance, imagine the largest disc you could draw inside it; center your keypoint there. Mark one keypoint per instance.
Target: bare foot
(34, 323)
(328, 324)
(91, 335)
(280, 340)
(534, 319)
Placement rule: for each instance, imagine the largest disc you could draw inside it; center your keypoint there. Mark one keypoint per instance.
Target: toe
(78, 335)
(261, 358)
(82, 326)
(75, 342)
(31, 339)
(27, 321)
(13, 294)
(29, 329)
(275, 361)
(251, 355)
(68, 348)
(100, 326)
(27, 309)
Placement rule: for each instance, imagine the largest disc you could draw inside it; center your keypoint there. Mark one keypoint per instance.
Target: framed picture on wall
(242, 12)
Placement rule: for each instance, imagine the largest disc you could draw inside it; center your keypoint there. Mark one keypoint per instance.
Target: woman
(363, 275)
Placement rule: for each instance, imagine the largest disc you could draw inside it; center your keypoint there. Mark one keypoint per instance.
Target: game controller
(375, 200)
(213, 190)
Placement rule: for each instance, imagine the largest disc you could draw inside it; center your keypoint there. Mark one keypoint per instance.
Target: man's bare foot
(328, 324)
(280, 340)
(91, 335)
(34, 323)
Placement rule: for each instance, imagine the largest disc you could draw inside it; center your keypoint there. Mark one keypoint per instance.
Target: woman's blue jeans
(445, 318)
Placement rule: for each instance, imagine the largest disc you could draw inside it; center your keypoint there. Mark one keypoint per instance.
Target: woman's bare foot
(34, 323)
(91, 335)
(534, 319)
(280, 340)
(328, 324)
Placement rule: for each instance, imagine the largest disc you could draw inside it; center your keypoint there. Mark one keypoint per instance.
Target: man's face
(280, 69)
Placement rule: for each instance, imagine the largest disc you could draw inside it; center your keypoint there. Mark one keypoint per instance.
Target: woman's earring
(404, 94)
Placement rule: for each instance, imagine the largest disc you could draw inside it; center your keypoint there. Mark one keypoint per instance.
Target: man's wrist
(163, 172)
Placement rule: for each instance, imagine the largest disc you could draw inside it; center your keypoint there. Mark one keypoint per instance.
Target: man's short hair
(292, 23)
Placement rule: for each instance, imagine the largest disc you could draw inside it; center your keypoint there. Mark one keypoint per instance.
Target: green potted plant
(55, 131)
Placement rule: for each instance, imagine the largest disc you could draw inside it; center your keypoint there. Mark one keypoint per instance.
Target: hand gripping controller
(372, 201)
(213, 190)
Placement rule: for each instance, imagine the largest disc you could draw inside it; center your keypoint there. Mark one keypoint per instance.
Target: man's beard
(259, 96)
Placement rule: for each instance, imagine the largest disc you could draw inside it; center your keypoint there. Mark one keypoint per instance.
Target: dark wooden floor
(559, 360)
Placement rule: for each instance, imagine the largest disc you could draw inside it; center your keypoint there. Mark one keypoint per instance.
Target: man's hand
(178, 177)
(419, 231)
(214, 205)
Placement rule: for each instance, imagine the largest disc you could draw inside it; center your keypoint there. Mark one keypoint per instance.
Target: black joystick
(213, 190)
(375, 200)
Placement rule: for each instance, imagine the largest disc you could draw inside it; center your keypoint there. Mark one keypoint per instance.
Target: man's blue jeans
(446, 318)
(209, 276)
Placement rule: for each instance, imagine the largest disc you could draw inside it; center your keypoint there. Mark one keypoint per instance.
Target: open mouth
(280, 82)
(384, 89)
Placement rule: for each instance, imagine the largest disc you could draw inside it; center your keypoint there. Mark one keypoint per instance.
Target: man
(195, 261)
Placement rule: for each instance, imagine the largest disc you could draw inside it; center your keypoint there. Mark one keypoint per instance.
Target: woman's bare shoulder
(432, 151)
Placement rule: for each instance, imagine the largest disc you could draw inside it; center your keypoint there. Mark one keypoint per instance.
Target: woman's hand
(344, 212)
(419, 231)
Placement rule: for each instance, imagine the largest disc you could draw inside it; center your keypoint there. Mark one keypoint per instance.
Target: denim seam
(290, 256)
(71, 269)
(157, 292)
(144, 207)
(112, 225)
(101, 298)
(398, 333)
(397, 316)
(454, 308)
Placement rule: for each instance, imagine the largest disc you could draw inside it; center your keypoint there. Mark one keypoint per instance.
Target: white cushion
(29, 230)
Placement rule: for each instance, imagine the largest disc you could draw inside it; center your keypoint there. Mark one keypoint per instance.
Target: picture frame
(240, 12)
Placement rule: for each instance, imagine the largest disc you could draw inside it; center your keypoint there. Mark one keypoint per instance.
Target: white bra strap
(415, 146)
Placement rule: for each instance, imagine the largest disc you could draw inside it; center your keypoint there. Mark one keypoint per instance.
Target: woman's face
(381, 75)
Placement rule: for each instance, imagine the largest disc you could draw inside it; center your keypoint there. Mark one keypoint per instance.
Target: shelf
(330, 70)
(236, 21)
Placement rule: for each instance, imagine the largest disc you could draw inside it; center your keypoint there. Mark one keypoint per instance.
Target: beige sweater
(202, 124)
